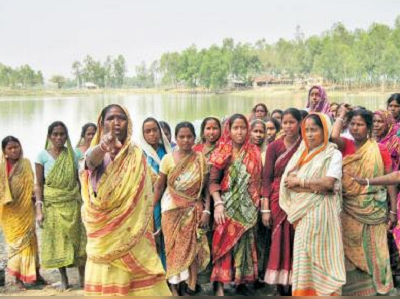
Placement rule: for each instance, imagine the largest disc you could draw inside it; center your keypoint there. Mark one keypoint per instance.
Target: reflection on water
(28, 118)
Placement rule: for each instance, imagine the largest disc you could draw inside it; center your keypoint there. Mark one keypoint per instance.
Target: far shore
(248, 92)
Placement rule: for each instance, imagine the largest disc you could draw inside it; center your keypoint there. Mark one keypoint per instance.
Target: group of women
(295, 199)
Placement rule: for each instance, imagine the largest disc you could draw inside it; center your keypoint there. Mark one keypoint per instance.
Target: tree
(77, 72)
(119, 70)
(59, 80)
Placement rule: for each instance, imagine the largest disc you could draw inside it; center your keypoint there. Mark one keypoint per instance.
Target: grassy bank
(271, 90)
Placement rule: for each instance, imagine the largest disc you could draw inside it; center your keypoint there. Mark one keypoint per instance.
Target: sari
(17, 218)
(153, 158)
(187, 249)
(117, 213)
(279, 266)
(317, 219)
(323, 106)
(392, 143)
(63, 235)
(364, 218)
(234, 253)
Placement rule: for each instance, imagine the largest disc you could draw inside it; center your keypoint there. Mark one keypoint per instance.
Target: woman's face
(167, 134)
(116, 117)
(334, 109)
(89, 134)
(185, 139)
(277, 116)
(271, 131)
(238, 131)
(290, 125)
(394, 109)
(314, 134)
(315, 97)
(358, 128)
(212, 132)
(379, 126)
(151, 133)
(13, 150)
(58, 137)
(258, 134)
(260, 112)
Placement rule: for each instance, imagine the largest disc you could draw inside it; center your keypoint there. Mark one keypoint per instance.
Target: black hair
(86, 127)
(256, 122)
(303, 113)
(394, 97)
(7, 140)
(165, 125)
(366, 115)
(184, 124)
(55, 125)
(317, 120)
(276, 123)
(277, 111)
(235, 117)
(105, 111)
(151, 119)
(293, 112)
(262, 105)
(204, 123)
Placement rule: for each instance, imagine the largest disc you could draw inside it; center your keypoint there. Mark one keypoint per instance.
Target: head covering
(222, 154)
(389, 122)
(149, 150)
(327, 130)
(323, 106)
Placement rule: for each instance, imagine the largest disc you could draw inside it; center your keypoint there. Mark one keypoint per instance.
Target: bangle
(394, 213)
(302, 183)
(219, 203)
(207, 212)
(39, 203)
(265, 211)
(367, 183)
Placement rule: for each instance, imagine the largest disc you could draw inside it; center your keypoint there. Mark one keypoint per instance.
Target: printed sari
(17, 218)
(154, 158)
(317, 219)
(122, 254)
(187, 249)
(234, 252)
(392, 143)
(63, 235)
(364, 218)
(279, 267)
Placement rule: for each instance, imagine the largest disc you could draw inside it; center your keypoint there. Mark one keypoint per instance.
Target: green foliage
(59, 80)
(21, 77)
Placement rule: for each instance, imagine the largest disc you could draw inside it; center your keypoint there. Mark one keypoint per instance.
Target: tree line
(351, 58)
(20, 77)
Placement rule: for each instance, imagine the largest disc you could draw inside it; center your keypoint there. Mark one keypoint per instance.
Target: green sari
(63, 236)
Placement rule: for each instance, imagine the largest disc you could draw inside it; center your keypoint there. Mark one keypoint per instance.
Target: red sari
(234, 253)
(279, 268)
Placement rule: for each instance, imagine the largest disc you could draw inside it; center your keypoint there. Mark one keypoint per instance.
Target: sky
(50, 35)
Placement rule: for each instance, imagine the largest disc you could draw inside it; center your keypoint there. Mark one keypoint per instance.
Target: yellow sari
(364, 225)
(122, 255)
(17, 219)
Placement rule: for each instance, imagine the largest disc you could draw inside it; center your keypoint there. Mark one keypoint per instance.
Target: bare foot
(219, 289)
(20, 285)
(174, 290)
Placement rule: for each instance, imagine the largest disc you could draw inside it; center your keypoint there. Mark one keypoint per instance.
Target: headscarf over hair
(389, 122)
(148, 149)
(323, 106)
(221, 156)
(100, 127)
(327, 130)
